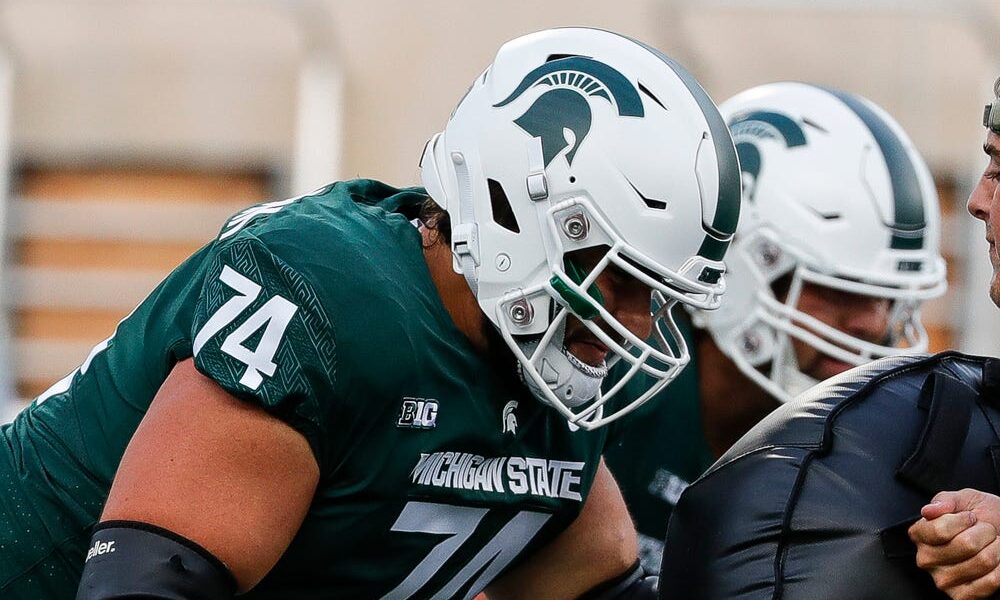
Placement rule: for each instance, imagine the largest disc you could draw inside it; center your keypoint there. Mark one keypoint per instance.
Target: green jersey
(439, 471)
(657, 452)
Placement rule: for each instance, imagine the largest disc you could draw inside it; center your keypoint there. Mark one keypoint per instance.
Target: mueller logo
(418, 413)
(100, 548)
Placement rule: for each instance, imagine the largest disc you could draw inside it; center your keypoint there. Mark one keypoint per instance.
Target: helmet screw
(503, 262)
(457, 158)
(769, 255)
(521, 312)
(751, 343)
(576, 226)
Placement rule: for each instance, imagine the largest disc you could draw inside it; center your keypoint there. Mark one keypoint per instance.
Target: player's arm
(958, 543)
(218, 478)
(595, 557)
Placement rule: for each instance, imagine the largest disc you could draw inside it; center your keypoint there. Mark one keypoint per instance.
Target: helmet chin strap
(571, 380)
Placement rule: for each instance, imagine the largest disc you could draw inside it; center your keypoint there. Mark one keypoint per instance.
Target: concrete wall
(215, 80)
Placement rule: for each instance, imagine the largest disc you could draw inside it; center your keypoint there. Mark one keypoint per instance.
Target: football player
(375, 392)
(835, 251)
(957, 539)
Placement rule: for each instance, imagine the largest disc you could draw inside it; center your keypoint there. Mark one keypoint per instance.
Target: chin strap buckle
(465, 241)
(465, 249)
(538, 185)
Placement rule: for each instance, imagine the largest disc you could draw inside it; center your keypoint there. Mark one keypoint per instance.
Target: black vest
(814, 502)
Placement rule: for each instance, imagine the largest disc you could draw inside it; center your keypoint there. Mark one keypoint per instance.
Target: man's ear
(430, 236)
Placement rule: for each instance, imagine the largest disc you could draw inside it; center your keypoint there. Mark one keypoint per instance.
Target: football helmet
(836, 195)
(577, 139)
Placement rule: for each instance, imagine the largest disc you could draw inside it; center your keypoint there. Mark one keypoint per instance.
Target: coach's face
(984, 204)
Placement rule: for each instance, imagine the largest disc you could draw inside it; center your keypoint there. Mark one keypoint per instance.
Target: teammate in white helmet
(836, 249)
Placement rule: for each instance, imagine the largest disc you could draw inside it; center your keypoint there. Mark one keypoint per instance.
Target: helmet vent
(553, 57)
(813, 124)
(646, 91)
(503, 214)
(655, 204)
(650, 202)
(827, 216)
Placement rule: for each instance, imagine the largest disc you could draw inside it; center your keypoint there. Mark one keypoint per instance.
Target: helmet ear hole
(503, 214)
(781, 286)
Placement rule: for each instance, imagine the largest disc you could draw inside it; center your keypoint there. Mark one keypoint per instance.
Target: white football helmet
(574, 139)
(835, 194)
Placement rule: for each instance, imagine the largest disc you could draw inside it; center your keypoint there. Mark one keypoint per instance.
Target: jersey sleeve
(260, 331)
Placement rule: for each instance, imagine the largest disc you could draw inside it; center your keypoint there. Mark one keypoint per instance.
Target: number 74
(459, 522)
(275, 314)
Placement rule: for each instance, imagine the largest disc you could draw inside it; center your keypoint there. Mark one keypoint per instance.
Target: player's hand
(958, 544)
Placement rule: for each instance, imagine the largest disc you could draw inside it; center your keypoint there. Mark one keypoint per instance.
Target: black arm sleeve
(129, 560)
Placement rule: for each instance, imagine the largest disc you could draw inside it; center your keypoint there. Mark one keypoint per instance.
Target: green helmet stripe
(908, 199)
(727, 211)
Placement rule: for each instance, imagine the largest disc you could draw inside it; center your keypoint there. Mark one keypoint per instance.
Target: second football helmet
(579, 139)
(835, 195)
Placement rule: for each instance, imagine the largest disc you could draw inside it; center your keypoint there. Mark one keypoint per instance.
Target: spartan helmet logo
(749, 127)
(561, 117)
(509, 418)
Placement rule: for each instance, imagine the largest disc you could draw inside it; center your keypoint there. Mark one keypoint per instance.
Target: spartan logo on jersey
(509, 418)
(750, 127)
(561, 117)
(418, 413)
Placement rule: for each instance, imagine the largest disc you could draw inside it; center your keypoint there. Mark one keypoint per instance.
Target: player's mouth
(590, 351)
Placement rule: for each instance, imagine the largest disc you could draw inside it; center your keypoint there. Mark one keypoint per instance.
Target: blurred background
(130, 129)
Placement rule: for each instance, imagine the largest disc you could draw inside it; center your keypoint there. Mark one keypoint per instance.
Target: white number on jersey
(243, 217)
(268, 208)
(274, 317)
(459, 522)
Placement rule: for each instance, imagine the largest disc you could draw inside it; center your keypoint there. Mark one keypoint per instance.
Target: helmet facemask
(763, 346)
(562, 380)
